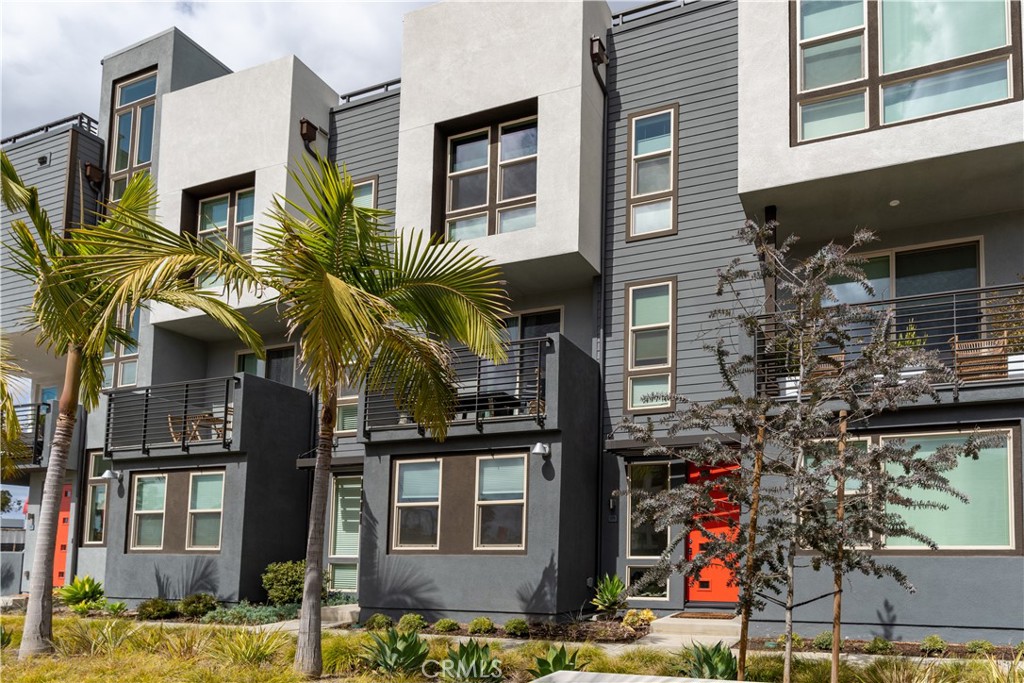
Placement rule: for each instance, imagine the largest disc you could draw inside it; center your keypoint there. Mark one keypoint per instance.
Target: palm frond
(12, 448)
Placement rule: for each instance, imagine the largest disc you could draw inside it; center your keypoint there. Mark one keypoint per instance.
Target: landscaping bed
(882, 647)
(575, 632)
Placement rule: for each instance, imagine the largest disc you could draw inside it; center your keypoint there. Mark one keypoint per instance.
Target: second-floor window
(864, 64)
(227, 219)
(278, 366)
(121, 361)
(652, 173)
(132, 135)
(492, 180)
(650, 345)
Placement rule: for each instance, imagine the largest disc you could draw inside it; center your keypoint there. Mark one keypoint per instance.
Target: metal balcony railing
(487, 392)
(83, 121)
(33, 418)
(176, 415)
(977, 333)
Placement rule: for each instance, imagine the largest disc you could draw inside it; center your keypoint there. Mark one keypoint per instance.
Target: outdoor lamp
(541, 449)
(113, 475)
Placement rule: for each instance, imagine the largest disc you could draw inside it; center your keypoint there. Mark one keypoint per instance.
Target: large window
(205, 510)
(95, 500)
(650, 346)
(132, 123)
(492, 180)
(149, 493)
(863, 64)
(344, 548)
(364, 193)
(652, 173)
(646, 478)
(121, 361)
(417, 511)
(500, 502)
(278, 366)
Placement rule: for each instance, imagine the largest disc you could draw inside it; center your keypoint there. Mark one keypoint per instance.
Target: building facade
(606, 169)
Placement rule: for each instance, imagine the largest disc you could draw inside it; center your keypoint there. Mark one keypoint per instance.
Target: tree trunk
(837, 570)
(751, 569)
(37, 636)
(787, 668)
(308, 658)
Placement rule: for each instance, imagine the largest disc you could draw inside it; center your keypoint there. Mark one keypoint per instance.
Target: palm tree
(375, 309)
(77, 313)
(12, 448)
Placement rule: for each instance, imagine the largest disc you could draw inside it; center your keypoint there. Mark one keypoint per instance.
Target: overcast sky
(50, 52)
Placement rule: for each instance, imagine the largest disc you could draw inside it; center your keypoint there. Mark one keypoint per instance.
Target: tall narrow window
(148, 498)
(364, 193)
(344, 548)
(227, 219)
(417, 504)
(347, 422)
(501, 502)
(646, 478)
(652, 173)
(132, 122)
(650, 346)
(96, 500)
(121, 361)
(205, 506)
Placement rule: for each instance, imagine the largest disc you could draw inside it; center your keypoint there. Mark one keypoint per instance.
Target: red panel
(713, 584)
(60, 552)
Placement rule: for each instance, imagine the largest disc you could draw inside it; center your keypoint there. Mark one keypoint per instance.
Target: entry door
(713, 583)
(60, 552)
(346, 505)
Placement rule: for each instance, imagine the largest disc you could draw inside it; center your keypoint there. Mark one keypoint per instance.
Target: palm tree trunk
(308, 658)
(37, 636)
(751, 568)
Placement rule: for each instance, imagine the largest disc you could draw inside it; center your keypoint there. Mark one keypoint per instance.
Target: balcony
(33, 419)
(978, 334)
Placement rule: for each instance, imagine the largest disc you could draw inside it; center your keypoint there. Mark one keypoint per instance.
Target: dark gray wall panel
(364, 138)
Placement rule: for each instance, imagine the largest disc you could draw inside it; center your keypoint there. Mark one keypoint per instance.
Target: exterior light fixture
(113, 475)
(541, 449)
(93, 173)
(894, 202)
(307, 131)
(598, 55)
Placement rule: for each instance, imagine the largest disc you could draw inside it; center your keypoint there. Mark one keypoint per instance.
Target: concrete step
(702, 628)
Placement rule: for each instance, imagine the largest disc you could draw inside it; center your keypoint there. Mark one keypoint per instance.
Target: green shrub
(979, 647)
(822, 641)
(186, 643)
(378, 622)
(446, 625)
(396, 653)
(245, 647)
(481, 625)
(245, 613)
(197, 605)
(878, 646)
(81, 589)
(557, 660)
(765, 669)
(471, 662)
(95, 638)
(339, 598)
(635, 619)
(411, 623)
(343, 654)
(115, 609)
(798, 641)
(518, 628)
(716, 662)
(897, 670)
(157, 608)
(933, 645)
(283, 582)
(820, 671)
(610, 596)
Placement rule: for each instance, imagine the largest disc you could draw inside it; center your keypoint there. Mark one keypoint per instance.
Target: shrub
(197, 605)
(283, 582)
(610, 596)
(979, 647)
(878, 646)
(635, 619)
(6, 637)
(115, 608)
(518, 628)
(245, 613)
(766, 669)
(481, 625)
(186, 643)
(798, 641)
(471, 662)
(933, 645)
(157, 608)
(820, 671)
(446, 625)
(714, 662)
(411, 623)
(343, 654)
(95, 637)
(83, 608)
(557, 660)
(822, 641)
(897, 670)
(378, 622)
(396, 653)
(247, 647)
(81, 589)
(339, 598)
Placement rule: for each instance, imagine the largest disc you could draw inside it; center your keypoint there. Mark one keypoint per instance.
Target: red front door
(60, 551)
(713, 584)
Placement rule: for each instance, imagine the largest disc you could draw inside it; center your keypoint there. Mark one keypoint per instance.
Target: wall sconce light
(94, 174)
(541, 449)
(113, 475)
(598, 54)
(307, 131)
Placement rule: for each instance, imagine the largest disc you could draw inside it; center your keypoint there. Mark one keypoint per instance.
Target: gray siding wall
(83, 198)
(364, 138)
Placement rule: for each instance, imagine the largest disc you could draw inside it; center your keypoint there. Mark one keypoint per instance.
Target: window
(657, 590)
(650, 345)
(148, 498)
(864, 64)
(417, 504)
(346, 506)
(279, 365)
(227, 219)
(205, 506)
(492, 180)
(987, 521)
(132, 123)
(365, 193)
(653, 168)
(500, 502)
(121, 361)
(95, 500)
(645, 478)
(347, 422)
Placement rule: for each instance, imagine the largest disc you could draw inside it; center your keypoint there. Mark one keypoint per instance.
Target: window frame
(629, 508)
(261, 365)
(231, 228)
(373, 182)
(477, 503)
(133, 527)
(645, 568)
(92, 484)
(672, 193)
(352, 399)
(629, 372)
(135, 108)
(189, 512)
(395, 505)
(119, 356)
(333, 515)
(874, 80)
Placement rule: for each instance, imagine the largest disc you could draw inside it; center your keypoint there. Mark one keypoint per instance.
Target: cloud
(50, 52)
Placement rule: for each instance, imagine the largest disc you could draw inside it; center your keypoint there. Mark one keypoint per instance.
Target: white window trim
(351, 400)
(660, 598)
(669, 152)
(135, 513)
(190, 511)
(650, 370)
(800, 114)
(629, 506)
(133, 108)
(131, 81)
(90, 491)
(333, 559)
(481, 503)
(395, 505)
(372, 182)
(469, 171)
(330, 568)
(525, 199)
(1012, 500)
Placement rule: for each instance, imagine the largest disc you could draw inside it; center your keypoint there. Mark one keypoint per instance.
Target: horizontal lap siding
(82, 196)
(51, 182)
(364, 138)
(685, 55)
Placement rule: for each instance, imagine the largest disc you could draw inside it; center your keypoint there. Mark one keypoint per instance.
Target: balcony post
(225, 439)
(476, 398)
(145, 421)
(184, 421)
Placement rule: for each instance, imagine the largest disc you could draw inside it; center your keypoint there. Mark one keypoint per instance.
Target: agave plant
(396, 652)
(82, 589)
(471, 662)
(715, 662)
(610, 597)
(558, 660)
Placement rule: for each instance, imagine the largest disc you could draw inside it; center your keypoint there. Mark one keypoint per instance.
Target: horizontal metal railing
(978, 334)
(83, 121)
(171, 415)
(487, 391)
(32, 418)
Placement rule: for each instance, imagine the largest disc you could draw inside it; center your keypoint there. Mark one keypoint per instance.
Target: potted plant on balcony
(910, 339)
(1008, 318)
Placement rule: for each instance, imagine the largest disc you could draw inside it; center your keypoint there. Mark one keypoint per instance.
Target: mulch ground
(581, 631)
(899, 648)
